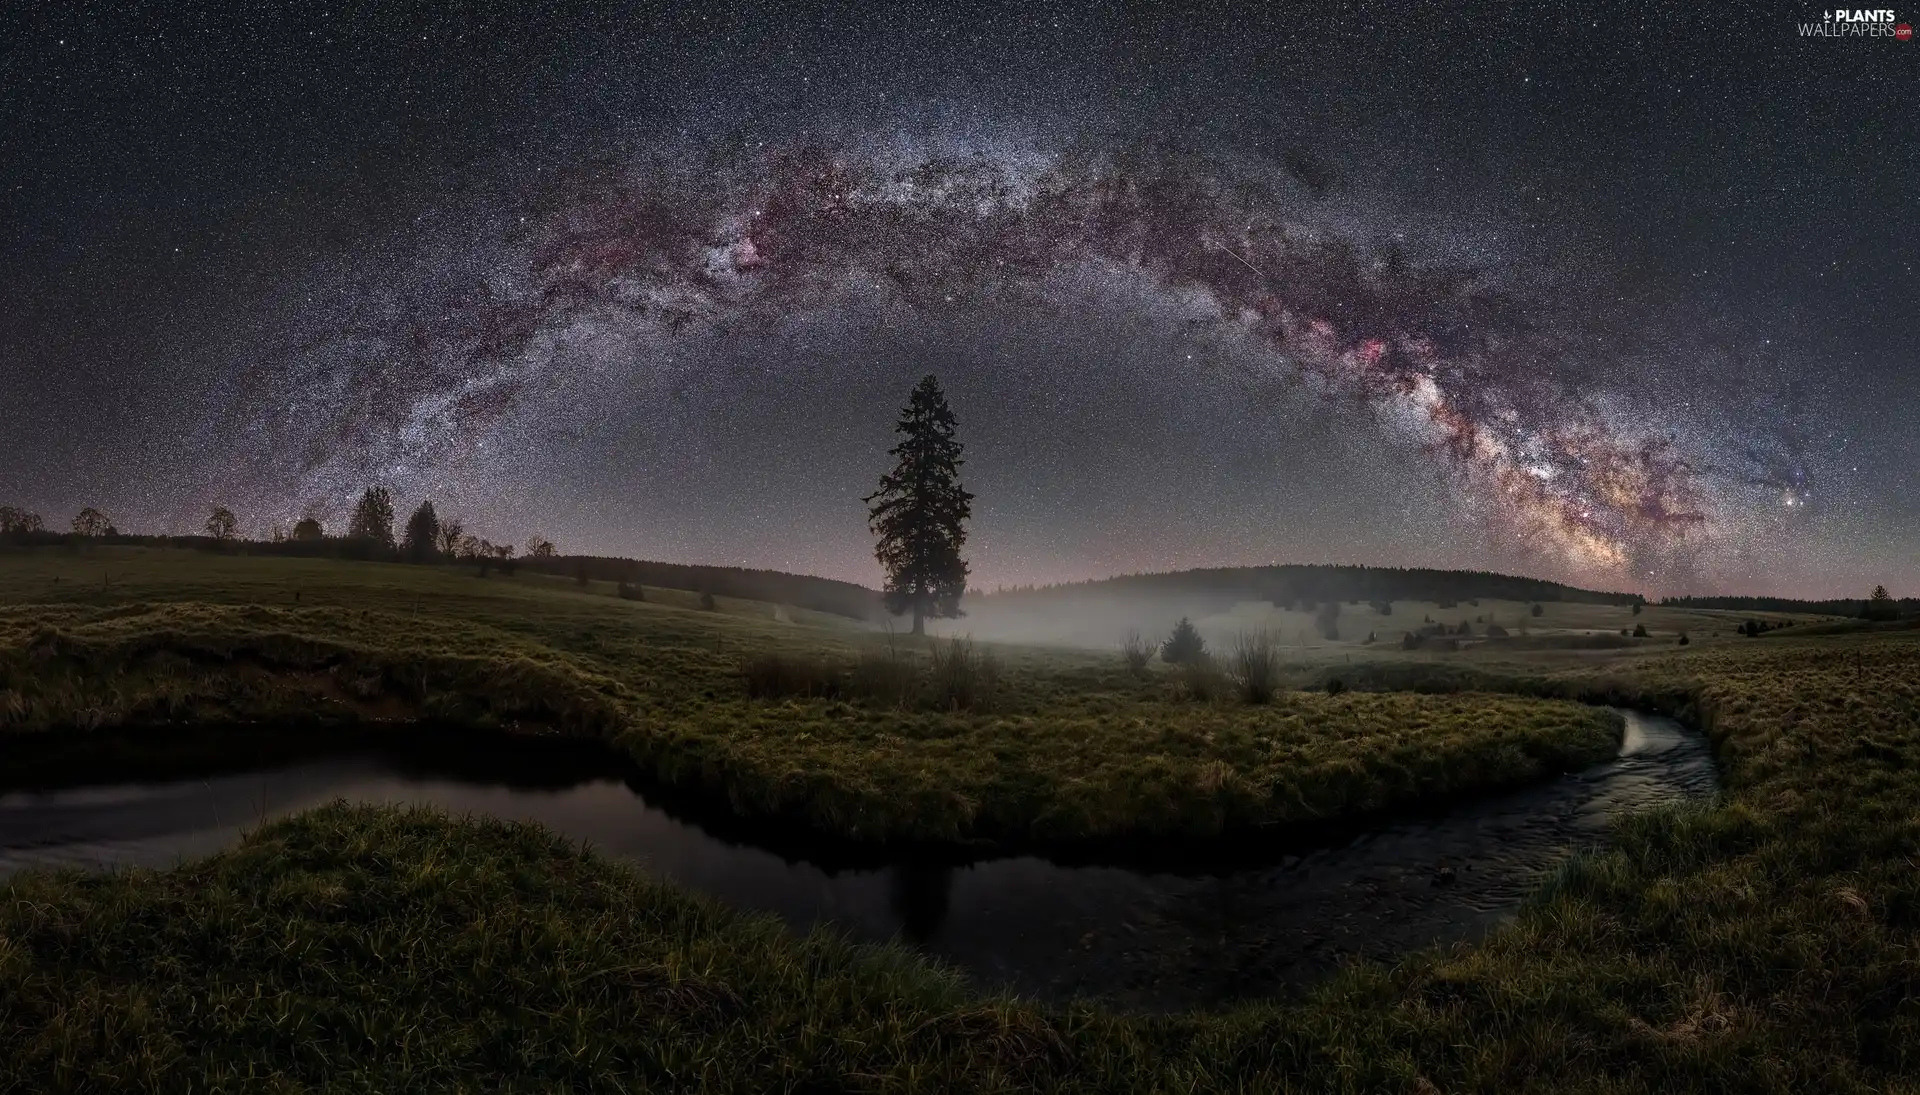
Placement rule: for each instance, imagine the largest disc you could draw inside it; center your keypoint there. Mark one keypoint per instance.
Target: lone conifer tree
(423, 534)
(920, 512)
(373, 518)
(1184, 646)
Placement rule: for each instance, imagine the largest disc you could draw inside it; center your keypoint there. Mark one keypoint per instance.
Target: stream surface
(1147, 939)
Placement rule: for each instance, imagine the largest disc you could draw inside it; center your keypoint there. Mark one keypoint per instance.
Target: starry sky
(1619, 295)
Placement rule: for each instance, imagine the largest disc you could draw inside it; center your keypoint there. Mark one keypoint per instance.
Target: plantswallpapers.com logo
(1858, 23)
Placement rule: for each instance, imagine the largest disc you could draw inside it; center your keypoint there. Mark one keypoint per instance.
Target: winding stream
(1145, 939)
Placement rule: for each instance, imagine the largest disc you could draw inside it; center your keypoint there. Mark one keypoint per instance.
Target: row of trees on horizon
(370, 533)
(425, 538)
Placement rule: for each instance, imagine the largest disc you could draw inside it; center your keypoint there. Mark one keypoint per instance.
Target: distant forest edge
(1908, 606)
(1296, 585)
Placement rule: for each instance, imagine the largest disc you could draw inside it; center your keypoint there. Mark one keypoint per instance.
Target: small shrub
(631, 592)
(1201, 680)
(1256, 666)
(1536, 610)
(887, 677)
(1683, 639)
(1335, 686)
(1639, 631)
(1137, 652)
(706, 600)
(1327, 621)
(961, 676)
(781, 676)
(1184, 646)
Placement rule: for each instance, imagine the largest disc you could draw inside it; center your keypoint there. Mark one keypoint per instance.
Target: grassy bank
(1066, 747)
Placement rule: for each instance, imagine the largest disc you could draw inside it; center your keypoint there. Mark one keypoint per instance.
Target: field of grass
(1769, 942)
(1100, 619)
(1067, 748)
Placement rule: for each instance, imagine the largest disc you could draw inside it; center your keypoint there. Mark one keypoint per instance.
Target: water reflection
(919, 896)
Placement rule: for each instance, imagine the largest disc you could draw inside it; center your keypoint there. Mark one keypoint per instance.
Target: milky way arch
(655, 254)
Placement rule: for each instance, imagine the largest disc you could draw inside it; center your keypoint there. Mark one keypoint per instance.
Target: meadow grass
(1767, 942)
(851, 734)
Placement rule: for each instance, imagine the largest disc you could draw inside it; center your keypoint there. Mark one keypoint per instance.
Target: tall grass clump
(961, 676)
(1200, 680)
(1137, 652)
(888, 677)
(786, 676)
(1255, 662)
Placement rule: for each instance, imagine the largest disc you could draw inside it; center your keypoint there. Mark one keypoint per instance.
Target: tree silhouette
(19, 521)
(919, 513)
(1184, 646)
(91, 522)
(373, 518)
(423, 535)
(1881, 605)
(1327, 621)
(309, 528)
(452, 533)
(221, 524)
(539, 547)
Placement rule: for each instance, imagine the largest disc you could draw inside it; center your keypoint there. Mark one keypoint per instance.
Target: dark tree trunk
(919, 618)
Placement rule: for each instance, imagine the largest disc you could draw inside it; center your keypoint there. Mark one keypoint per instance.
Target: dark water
(1155, 939)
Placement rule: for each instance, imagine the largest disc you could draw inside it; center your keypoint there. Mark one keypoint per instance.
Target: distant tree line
(1878, 605)
(428, 537)
(1310, 587)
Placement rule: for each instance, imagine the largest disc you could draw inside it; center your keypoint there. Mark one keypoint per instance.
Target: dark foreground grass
(1770, 943)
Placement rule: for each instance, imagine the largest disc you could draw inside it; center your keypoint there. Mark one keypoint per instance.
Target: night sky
(1619, 296)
